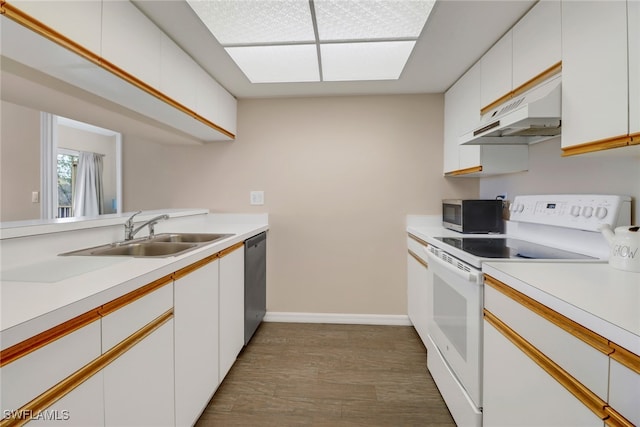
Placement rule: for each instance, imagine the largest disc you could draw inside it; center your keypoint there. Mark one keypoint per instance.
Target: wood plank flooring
(294, 374)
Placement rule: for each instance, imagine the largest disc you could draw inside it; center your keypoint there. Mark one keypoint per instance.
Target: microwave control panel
(580, 211)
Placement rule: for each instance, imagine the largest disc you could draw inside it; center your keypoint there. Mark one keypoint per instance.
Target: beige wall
(339, 175)
(607, 172)
(19, 162)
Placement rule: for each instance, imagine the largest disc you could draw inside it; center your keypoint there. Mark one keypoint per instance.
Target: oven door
(455, 324)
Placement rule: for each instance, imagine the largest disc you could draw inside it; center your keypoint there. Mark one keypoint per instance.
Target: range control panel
(580, 211)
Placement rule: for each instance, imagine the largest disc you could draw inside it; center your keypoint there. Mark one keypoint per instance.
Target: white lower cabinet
(196, 341)
(624, 390)
(231, 308)
(419, 282)
(82, 407)
(517, 392)
(139, 385)
(32, 374)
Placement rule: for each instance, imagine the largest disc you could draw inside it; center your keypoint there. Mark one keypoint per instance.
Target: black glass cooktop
(503, 247)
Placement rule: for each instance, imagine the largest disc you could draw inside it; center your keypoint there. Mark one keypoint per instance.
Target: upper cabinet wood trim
(635, 138)
(466, 171)
(603, 144)
(44, 30)
(615, 419)
(546, 74)
(35, 25)
(594, 340)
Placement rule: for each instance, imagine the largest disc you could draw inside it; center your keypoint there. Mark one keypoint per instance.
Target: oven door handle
(473, 276)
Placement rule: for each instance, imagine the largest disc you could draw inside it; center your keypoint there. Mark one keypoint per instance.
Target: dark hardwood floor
(294, 374)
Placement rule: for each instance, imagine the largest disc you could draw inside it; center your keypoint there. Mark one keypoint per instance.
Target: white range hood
(531, 117)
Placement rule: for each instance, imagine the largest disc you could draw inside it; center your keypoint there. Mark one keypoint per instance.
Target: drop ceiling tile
(371, 19)
(276, 64)
(235, 22)
(364, 61)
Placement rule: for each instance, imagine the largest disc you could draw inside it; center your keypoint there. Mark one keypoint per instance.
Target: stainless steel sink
(162, 245)
(189, 237)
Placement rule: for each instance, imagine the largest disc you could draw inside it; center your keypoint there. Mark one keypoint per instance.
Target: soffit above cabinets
(316, 40)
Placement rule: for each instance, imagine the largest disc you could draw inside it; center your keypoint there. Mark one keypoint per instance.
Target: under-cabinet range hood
(529, 118)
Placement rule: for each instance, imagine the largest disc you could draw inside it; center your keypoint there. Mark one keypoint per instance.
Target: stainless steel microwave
(473, 216)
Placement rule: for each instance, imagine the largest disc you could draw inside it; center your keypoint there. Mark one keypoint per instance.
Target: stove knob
(587, 212)
(520, 207)
(601, 212)
(575, 210)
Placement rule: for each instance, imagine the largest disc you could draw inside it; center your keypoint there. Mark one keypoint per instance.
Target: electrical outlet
(35, 197)
(256, 197)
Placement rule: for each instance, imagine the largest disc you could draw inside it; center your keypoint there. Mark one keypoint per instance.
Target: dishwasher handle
(472, 276)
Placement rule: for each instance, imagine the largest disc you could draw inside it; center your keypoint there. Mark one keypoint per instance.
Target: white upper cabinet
(595, 89)
(131, 41)
(175, 67)
(537, 42)
(462, 114)
(79, 21)
(496, 71)
(633, 14)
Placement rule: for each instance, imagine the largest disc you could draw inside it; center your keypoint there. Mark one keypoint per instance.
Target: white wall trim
(354, 319)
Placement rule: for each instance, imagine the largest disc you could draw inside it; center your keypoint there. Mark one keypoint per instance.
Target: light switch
(35, 197)
(256, 197)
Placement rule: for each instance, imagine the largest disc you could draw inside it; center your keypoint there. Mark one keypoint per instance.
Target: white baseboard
(352, 319)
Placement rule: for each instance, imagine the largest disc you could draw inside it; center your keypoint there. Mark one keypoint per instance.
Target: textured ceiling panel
(371, 19)
(255, 22)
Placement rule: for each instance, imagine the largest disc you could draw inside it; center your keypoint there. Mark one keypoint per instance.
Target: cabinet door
(594, 71)
(418, 281)
(496, 71)
(231, 308)
(131, 41)
(633, 14)
(517, 392)
(624, 389)
(32, 374)
(196, 341)
(175, 69)
(462, 114)
(79, 21)
(82, 407)
(138, 386)
(536, 42)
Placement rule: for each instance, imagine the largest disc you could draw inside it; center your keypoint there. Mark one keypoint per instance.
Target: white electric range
(541, 228)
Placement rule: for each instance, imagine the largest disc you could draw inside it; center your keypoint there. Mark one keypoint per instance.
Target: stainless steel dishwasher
(255, 283)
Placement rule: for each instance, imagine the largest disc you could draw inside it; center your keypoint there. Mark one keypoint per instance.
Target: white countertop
(50, 290)
(599, 297)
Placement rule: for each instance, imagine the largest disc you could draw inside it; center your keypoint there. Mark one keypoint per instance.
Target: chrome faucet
(129, 231)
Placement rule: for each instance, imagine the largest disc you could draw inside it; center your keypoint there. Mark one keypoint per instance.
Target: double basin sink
(161, 245)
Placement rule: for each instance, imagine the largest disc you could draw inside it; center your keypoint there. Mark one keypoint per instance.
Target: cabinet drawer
(36, 372)
(624, 391)
(590, 366)
(128, 317)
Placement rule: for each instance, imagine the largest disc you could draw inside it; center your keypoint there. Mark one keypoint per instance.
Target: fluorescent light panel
(275, 40)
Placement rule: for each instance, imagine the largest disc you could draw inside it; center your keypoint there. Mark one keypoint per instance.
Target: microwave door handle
(474, 276)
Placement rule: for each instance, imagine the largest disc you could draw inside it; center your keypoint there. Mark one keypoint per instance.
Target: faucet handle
(130, 220)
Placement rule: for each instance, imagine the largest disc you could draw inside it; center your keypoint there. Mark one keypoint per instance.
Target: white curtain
(88, 199)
